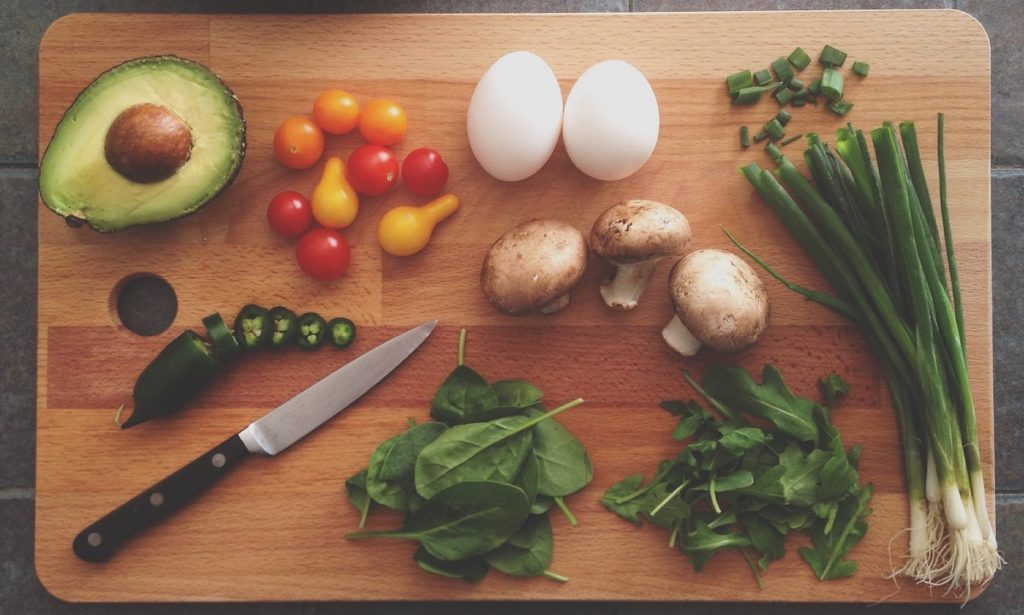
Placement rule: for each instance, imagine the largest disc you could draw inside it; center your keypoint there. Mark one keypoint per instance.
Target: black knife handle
(97, 542)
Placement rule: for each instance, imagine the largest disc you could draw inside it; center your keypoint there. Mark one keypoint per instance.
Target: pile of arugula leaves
(476, 483)
(774, 463)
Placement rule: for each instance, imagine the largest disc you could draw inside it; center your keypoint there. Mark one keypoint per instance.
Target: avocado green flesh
(76, 180)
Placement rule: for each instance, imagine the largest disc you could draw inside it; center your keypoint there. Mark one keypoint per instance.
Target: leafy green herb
(472, 569)
(832, 388)
(389, 479)
(528, 552)
(463, 394)
(355, 489)
(738, 485)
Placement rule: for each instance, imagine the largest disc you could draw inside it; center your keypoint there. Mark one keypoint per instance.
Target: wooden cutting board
(274, 529)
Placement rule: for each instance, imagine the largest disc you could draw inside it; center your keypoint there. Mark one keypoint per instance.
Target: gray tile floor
(22, 23)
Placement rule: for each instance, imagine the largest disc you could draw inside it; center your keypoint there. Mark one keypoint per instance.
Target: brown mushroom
(532, 267)
(720, 302)
(633, 236)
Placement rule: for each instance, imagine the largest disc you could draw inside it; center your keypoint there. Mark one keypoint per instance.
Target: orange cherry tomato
(382, 122)
(298, 143)
(336, 111)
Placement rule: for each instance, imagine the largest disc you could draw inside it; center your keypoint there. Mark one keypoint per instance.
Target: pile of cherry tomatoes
(372, 170)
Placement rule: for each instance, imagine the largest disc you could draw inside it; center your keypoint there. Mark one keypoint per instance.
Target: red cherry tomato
(289, 214)
(323, 254)
(424, 171)
(372, 169)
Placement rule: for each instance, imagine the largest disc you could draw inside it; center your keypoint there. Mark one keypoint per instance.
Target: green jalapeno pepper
(342, 331)
(180, 371)
(284, 327)
(252, 327)
(312, 330)
(224, 343)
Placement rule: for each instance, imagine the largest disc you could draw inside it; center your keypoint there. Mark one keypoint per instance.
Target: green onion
(871, 232)
(791, 139)
(799, 59)
(861, 68)
(744, 136)
(760, 136)
(795, 84)
(798, 102)
(750, 95)
(783, 116)
(775, 130)
(832, 84)
(737, 81)
(831, 57)
(814, 86)
(773, 151)
(783, 71)
(783, 96)
(840, 107)
(762, 76)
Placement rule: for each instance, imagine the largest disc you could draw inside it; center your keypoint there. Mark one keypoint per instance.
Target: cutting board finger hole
(144, 303)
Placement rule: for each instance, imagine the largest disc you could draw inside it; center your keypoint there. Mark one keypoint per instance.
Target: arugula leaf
(765, 537)
(832, 388)
(830, 547)
(463, 393)
(741, 440)
(691, 417)
(701, 543)
(629, 509)
(355, 489)
(771, 400)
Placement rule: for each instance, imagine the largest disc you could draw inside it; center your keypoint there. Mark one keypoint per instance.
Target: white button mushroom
(533, 266)
(720, 302)
(633, 236)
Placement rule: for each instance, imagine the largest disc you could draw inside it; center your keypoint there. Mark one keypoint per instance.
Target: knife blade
(268, 435)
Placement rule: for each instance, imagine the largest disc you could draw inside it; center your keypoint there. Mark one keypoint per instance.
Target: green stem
(753, 568)
(947, 231)
(555, 576)
(462, 347)
(565, 510)
(724, 410)
(675, 492)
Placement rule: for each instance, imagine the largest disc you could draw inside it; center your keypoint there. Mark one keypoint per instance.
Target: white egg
(611, 121)
(515, 116)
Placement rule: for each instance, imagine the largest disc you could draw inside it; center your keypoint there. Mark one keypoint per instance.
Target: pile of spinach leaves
(476, 482)
(773, 464)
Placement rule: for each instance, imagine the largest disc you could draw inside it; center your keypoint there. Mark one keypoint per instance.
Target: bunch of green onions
(872, 232)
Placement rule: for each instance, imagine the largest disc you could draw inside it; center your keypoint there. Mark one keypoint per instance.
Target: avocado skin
(75, 219)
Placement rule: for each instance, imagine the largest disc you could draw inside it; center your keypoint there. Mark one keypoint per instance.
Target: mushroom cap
(720, 299)
(639, 230)
(533, 265)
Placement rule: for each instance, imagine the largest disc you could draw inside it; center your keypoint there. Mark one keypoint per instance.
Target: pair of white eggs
(609, 125)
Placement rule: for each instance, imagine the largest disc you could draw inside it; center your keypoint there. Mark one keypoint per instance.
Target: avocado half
(149, 140)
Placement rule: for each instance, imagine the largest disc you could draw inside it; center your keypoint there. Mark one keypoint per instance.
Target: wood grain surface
(274, 529)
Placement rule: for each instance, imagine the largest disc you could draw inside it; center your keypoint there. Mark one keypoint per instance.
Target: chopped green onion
(840, 107)
(814, 86)
(795, 84)
(783, 71)
(737, 81)
(791, 139)
(861, 68)
(832, 84)
(775, 130)
(750, 95)
(760, 136)
(799, 58)
(762, 76)
(783, 116)
(784, 96)
(831, 57)
(798, 102)
(773, 151)
(744, 136)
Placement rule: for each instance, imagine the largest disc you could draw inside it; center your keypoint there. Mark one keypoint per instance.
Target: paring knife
(269, 435)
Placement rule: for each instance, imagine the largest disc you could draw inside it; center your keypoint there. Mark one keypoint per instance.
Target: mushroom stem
(679, 338)
(624, 288)
(555, 305)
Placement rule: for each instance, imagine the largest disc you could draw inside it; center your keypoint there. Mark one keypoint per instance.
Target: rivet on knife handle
(98, 542)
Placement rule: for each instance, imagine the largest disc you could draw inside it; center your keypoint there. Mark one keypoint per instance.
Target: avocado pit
(147, 143)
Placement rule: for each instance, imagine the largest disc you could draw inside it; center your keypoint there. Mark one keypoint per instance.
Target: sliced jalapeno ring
(312, 330)
(252, 327)
(284, 327)
(170, 380)
(342, 331)
(224, 343)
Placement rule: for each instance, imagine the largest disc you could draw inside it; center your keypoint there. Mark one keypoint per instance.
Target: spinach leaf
(355, 489)
(516, 393)
(830, 547)
(389, 478)
(495, 450)
(528, 552)
(472, 569)
(771, 400)
(527, 479)
(541, 504)
(563, 464)
(463, 393)
(465, 520)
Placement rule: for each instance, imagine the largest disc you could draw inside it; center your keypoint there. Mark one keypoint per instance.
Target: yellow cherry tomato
(406, 230)
(335, 203)
(382, 122)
